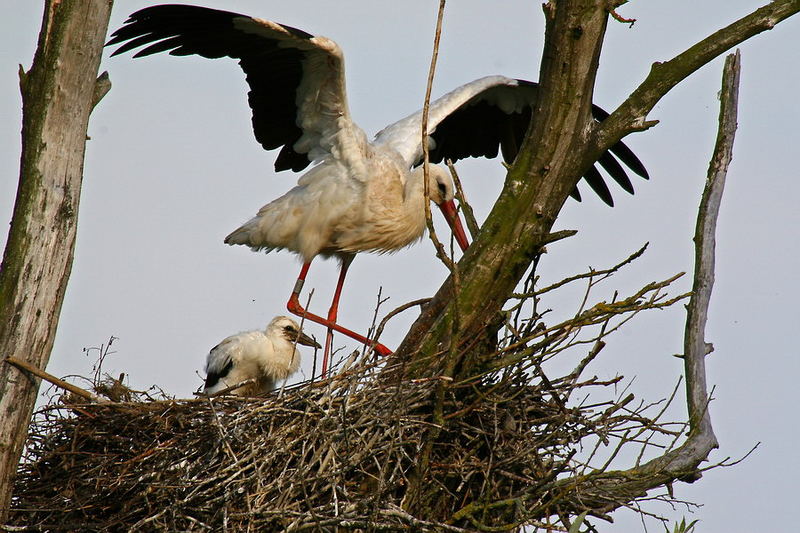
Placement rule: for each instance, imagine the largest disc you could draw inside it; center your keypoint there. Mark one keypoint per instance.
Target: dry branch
(439, 247)
(695, 346)
(69, 387)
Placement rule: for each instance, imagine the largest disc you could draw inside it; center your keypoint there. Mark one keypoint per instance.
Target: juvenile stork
(360, 195)
(266, 357)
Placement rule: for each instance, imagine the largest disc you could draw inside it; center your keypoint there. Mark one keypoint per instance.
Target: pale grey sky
(172, 168)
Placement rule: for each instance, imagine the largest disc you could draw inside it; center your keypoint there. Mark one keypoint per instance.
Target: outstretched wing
(489, 116)
(297, 87)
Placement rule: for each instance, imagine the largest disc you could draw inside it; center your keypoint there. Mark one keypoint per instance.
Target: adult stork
(262, 357)
(357, 193)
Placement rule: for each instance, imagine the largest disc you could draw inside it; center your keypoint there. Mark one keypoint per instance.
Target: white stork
(266, 357)
(360, 195)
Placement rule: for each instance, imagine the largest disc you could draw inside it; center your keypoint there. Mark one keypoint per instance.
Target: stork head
(283, 326)
(442, 191)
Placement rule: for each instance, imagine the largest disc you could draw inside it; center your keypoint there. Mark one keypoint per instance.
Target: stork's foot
(294, 307)
(382, 350)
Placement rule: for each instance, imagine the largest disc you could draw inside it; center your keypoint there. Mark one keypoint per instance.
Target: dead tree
(58, 94)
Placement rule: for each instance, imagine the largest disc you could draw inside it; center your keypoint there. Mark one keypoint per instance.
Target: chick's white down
(267, 357)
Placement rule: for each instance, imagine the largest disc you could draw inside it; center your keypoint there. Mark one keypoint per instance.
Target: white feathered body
(335, 209)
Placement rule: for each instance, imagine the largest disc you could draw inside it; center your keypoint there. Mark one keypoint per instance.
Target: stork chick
(266, 356)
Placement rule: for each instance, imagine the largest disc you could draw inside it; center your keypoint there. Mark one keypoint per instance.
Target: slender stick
(440, 250)
(83, 393)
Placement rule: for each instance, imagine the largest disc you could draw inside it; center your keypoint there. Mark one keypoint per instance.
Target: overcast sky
(172, 168)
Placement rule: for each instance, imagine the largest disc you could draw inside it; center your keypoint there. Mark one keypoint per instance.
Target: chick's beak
(305, 340)
(451, 215)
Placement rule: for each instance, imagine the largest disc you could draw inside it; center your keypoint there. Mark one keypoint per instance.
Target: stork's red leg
(294, 307)
(333, 312)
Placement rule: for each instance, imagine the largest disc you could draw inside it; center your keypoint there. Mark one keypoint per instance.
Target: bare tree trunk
(58, 94)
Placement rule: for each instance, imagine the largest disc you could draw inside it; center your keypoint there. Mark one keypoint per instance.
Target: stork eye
(442, 189)
(290, 329)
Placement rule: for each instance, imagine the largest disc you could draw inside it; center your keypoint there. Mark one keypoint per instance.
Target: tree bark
(58, 94)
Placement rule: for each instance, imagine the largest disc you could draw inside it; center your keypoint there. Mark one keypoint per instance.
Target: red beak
(451, 215)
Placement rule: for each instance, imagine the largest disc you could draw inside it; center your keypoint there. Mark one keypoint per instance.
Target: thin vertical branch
(440, 250)
(695, 346)
(414, 495)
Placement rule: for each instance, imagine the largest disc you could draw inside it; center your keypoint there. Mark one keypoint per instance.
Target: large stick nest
(318, 457)
(356, 451)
